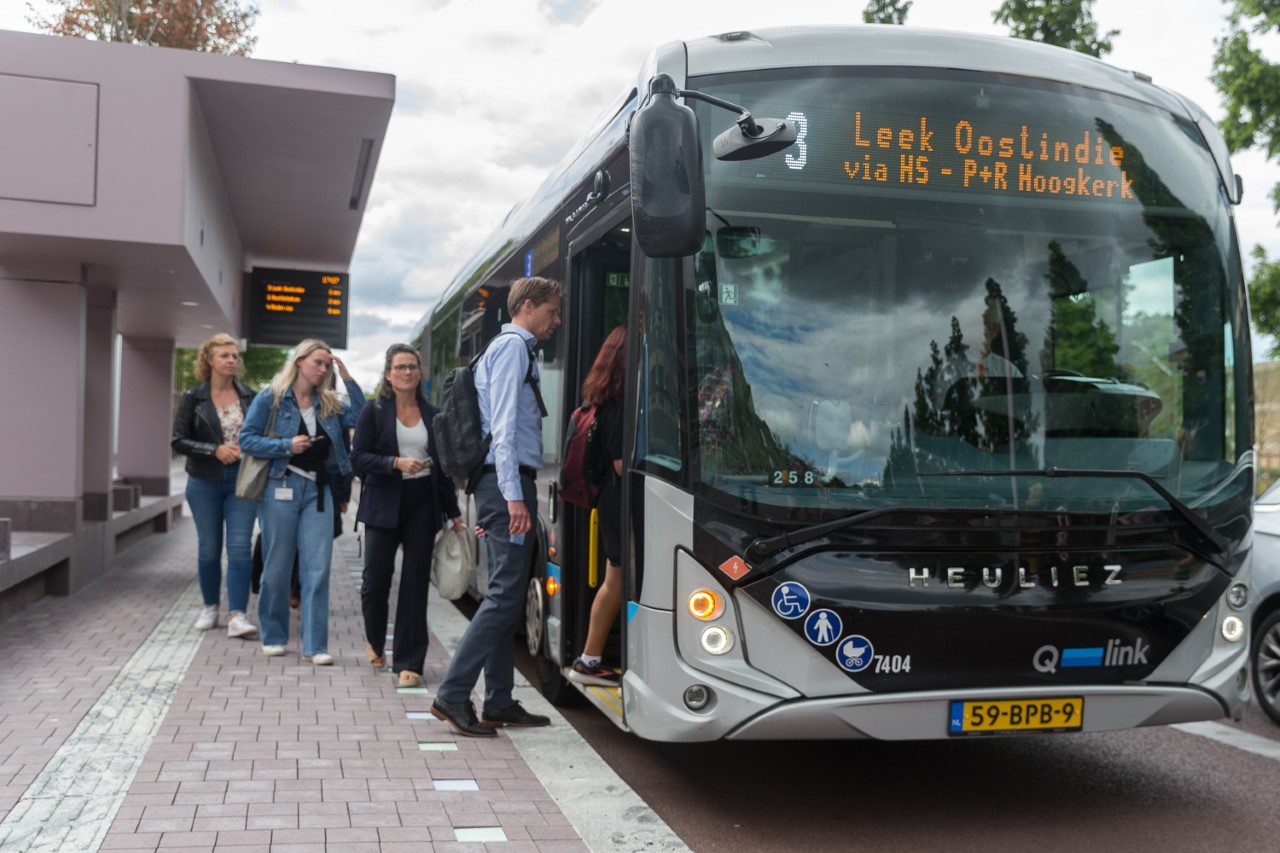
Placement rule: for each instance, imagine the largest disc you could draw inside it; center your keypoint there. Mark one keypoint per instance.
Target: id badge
(284, 493)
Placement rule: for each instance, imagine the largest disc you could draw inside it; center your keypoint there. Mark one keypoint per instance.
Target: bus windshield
(954, 275)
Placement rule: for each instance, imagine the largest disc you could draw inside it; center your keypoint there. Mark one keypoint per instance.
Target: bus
(939, 403)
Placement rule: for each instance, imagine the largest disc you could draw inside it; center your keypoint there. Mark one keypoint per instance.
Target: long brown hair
(385, 391)
(608, 373)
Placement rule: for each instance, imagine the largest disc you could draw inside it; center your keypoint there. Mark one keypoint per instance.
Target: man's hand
(520, 522)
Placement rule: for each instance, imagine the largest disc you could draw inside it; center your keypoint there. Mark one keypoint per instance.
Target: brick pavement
(252, 753)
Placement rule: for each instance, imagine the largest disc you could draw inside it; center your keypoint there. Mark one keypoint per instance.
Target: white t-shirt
(413, 445)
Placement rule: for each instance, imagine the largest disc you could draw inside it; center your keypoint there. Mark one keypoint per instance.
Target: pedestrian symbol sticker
(823, 627)
(728, 294)
(791, 600)
(854, 653)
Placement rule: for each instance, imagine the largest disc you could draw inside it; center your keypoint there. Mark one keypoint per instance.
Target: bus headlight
(1233, 629)
(716, 640)
(1238, 596)
(706, 605)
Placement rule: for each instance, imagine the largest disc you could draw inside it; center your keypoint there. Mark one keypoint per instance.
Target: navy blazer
(373, 452)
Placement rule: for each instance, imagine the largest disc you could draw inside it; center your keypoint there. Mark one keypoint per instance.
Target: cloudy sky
(491, 94)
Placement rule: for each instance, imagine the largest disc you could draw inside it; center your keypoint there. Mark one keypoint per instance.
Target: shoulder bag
(251, 482)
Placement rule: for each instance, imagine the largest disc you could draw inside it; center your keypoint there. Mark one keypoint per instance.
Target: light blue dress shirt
(509, 408)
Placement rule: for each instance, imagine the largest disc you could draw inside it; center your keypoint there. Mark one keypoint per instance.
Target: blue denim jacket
(254, 441)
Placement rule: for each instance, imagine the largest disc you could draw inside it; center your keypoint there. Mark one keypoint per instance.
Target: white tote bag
(453, 562)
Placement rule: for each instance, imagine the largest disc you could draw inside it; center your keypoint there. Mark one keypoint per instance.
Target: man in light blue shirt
(511, 411)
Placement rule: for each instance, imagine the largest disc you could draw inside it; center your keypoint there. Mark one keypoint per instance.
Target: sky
(490, 94)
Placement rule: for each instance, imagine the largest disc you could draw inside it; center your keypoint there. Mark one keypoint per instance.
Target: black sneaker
(516, 716)
(600, 675)
(461, 717)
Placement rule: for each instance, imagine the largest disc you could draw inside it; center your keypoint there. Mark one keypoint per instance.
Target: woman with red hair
(603, 389)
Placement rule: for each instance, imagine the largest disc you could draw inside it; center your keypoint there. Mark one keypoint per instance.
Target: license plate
(1017, 715)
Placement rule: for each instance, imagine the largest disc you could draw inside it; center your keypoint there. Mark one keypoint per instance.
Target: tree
(1065, 23)
(1250, 88)
(211, 26)
(886, 11)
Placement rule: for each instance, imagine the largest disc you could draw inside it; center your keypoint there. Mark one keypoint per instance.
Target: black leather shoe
(461, 717)
(516, 715)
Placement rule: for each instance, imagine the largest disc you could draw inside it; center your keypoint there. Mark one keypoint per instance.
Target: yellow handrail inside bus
(593, 550)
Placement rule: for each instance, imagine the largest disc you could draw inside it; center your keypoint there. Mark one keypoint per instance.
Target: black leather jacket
(197, 431)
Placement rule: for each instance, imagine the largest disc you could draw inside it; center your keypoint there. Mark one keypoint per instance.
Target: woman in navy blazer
(404, 499)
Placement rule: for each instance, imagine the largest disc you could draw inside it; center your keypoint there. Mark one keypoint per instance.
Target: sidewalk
(122, 728)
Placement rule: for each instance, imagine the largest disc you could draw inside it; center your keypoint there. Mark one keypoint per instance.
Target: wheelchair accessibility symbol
(791, 600)
(854, 653)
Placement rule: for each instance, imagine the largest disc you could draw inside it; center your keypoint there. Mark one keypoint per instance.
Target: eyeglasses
(405, 368)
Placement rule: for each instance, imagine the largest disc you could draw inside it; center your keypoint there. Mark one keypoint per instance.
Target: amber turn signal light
(705, 604)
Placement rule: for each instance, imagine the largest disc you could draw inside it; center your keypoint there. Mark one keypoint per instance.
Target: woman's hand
(408, 465)
(226, 454)
(457, 523)
(300, 444)
(342, 369)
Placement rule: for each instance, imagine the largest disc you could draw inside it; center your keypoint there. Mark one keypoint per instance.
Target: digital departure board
(953, 154)
(287, 306)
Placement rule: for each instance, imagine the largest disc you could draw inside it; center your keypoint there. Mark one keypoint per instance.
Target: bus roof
(880, 45)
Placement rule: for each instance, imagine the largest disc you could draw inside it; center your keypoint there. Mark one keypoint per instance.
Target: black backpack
(461, 441)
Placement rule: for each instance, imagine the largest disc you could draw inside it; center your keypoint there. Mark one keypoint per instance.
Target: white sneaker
(273, 651)
(240, 626)
(207, 619)
(319, 659)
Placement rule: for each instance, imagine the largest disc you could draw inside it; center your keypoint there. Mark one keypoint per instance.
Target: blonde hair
(203, 368)
(283, 381)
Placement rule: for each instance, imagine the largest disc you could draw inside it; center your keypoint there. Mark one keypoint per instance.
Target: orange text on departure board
(965, 155)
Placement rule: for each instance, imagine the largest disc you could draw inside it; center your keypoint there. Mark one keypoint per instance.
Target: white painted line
(1233, 737)
(480, 833)
(71, 804)
(605, 811)
(456, 785)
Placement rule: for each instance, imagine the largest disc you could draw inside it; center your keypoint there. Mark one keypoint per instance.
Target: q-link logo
(1048, 659)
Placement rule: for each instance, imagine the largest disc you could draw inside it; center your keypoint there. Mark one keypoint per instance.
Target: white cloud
(490, 96)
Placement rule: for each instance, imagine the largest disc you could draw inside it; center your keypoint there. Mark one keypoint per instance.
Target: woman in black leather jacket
(207, 430)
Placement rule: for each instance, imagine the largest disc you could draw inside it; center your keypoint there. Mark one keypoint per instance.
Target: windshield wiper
(1201, 526)
(763, 548)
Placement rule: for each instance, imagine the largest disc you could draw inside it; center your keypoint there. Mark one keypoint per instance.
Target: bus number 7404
(892, 663)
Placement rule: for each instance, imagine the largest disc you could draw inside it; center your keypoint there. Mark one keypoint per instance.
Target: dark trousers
(487, 643)
(415, 534)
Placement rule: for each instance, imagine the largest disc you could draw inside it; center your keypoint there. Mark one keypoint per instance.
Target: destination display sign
(953, 153)
(287, 306)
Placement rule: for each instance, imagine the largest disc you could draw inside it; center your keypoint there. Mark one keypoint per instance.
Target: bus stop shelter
(138, 188)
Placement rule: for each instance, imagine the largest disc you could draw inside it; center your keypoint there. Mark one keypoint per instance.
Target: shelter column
(146, 413)
(42, 329)
(99, 399)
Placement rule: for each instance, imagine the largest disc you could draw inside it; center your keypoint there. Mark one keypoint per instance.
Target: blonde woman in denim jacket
(296, 511)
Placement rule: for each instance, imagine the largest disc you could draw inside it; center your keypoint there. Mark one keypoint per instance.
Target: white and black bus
(939, 414)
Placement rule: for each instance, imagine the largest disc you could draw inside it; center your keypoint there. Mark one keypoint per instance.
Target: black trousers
(416, 536)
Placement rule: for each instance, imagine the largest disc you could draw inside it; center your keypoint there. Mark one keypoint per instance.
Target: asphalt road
(1145, 789)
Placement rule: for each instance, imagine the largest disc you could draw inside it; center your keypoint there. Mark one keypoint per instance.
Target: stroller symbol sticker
(855, 653)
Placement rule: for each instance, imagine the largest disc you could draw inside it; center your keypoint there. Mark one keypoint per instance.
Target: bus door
(599, 295)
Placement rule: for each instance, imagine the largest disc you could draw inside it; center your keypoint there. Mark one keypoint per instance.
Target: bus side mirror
(668, 197)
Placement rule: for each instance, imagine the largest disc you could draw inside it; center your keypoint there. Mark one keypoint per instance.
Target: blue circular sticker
(823, 627)
(854, 653)
(791, 600)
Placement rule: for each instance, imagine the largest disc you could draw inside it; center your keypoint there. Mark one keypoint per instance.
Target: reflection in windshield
(851, 347)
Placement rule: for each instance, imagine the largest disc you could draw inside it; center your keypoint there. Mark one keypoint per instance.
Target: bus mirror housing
(668, 198)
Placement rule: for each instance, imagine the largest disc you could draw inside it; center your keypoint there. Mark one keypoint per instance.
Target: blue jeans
(292, 525)
(213, 505)
(488, 640)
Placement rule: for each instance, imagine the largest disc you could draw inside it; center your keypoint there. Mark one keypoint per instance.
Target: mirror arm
(745, 121)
